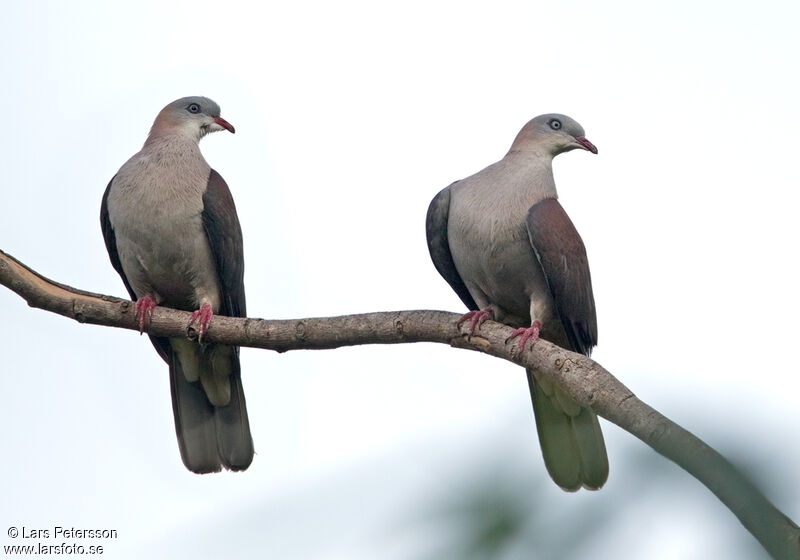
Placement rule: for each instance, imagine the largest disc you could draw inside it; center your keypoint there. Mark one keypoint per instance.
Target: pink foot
(144, 310)
(531, 332)
(476, 319)
(202, 316)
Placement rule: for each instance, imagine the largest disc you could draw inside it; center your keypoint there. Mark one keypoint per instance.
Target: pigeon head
(553, 134)
(193, 117)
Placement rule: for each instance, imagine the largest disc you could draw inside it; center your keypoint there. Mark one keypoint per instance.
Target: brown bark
(579, 376)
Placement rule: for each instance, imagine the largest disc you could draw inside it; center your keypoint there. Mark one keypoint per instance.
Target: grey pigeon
(172, 234)
(505, 245)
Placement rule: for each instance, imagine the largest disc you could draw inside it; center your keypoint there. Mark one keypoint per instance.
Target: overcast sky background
(350, 117)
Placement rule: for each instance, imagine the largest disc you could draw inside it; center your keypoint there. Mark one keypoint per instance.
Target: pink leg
(144, 310)
(476, 319)
(531, 332)
(203, 317)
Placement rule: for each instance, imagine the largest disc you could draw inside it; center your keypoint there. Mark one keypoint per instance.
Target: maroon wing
(562, 256)
(224, 235)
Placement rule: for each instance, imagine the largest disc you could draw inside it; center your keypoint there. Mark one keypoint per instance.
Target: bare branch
(579, 376)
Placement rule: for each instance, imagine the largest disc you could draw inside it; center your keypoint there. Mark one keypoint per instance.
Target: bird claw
(526, 334)
(144, 310)
(203, 317)
(476, 319)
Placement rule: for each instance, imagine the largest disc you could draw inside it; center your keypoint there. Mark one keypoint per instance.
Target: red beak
(228, 126)
(586, 144)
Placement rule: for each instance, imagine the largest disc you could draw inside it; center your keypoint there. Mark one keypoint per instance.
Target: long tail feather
(572, 443)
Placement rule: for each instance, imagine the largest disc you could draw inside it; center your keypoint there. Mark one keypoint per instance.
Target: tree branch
(583, 379)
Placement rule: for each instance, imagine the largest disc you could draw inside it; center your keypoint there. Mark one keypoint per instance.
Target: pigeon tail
(570, 437)
(210, 437)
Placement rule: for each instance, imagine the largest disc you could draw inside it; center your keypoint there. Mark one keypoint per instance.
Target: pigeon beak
(585, 144)
(228, 126)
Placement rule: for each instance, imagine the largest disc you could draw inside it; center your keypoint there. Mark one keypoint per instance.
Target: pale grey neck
(174, 148)
(531, 175)
(166, 168)
(172, 136)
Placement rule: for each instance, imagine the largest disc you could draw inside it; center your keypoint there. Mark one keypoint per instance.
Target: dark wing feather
(161, 344)
(224, 235)
(439, 247)
(562, 255)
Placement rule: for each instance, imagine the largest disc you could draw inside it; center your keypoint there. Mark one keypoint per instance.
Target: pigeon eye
(193, 108)
(555, 124)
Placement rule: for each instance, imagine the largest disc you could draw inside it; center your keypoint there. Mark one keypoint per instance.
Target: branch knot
(300, 331)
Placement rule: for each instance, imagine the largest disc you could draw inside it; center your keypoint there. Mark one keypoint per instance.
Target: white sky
(350, 117)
